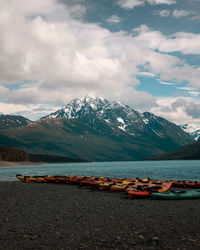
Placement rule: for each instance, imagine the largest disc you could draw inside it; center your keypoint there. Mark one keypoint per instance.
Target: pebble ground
(56, 216)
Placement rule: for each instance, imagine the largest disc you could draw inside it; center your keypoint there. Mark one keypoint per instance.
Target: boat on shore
(134, 187)
(178, 195)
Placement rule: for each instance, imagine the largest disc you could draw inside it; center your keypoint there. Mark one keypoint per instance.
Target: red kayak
(138, 194)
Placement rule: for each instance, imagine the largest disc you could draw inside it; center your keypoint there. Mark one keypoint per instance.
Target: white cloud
(146, 74)
(168, 83)
(130, 4)
(194, 93)
(69, 58)
(178, 109)
(187, 88)
(184, 42)
(7, 108)
(114, 19)
(195, 18)
(182, 13)
(155, 2)
(3, 91)
(163, 13)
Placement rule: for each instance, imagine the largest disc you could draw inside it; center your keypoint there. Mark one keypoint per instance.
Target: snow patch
(122, 128)
(120, 120)
(107, 120)
(146, 121)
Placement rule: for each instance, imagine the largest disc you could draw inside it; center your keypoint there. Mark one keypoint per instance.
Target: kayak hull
(178, 195)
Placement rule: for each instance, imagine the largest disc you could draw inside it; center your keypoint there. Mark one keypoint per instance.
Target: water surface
(183, 170)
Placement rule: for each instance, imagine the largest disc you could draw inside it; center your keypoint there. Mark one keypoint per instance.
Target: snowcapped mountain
(193, 129)
(96, 129)
(12, 121)
(112, 113)
(116, 118)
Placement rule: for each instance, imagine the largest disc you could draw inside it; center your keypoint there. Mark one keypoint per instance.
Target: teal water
(177, 170)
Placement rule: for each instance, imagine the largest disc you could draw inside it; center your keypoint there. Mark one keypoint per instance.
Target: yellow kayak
(118, 187)
(20, 177)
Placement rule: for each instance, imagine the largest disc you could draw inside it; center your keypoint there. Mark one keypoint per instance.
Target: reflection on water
(185, 170)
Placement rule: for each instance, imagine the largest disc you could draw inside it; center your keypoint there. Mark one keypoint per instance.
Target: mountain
(12, 121)
(189, 152)
(193, 129)
(98, 130)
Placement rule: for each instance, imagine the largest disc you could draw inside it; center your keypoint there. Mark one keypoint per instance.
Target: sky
(144, 53)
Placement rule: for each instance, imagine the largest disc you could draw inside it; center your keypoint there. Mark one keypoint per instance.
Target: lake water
(177, 170)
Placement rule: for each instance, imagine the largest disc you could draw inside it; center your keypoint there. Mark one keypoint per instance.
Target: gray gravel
(56, 216)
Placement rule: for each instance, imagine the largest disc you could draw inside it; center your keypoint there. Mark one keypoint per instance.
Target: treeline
(8, 153)
(53, 158)
(12, 154)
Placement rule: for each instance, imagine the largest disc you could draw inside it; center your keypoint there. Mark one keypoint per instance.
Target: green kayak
(178, 195)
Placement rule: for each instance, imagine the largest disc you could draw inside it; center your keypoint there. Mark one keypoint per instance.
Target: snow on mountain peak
(87, 105)
(193, 129)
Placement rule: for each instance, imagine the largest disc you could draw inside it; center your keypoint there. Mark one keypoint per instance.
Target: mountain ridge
(98, 130)
(13, 121)
(188, 152)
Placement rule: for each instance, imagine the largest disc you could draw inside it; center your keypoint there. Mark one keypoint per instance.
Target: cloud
(3, 92)
(191, 91)
(178, 109)
(114, 19)
(131, 4)
(182, 13)
(187, 88)
(194, 93)
(155, 2)
(195, 18)
(168, 83)
(35, 112)
(163, 13)
(146, 74)
(67, 57)
(184, 42)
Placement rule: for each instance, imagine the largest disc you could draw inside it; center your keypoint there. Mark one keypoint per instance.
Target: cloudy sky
(144, 53)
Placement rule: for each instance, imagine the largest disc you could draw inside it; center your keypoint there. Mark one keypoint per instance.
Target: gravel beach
(56, 216)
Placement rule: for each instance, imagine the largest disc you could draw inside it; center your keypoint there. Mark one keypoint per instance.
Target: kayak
(105, 185)
(165, 187)
(20, 177)
(118, 187)
(138, 194)
(178, 195)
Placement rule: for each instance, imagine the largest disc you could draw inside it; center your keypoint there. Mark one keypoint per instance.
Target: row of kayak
(134, 187)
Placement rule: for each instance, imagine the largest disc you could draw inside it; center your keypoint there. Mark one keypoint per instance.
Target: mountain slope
(99, 130)
(189, 152)
(12, 121)
(193, 129)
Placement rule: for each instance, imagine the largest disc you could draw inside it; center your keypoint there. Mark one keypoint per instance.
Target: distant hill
(189, 152)
(13, 154)
(13, 121)
(99, 130)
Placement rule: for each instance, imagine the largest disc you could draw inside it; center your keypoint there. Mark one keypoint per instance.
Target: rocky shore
(56, 216)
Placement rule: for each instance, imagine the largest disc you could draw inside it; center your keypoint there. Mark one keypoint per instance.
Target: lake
(177, 170)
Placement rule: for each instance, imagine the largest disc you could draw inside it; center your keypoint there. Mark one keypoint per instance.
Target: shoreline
(56, 216)
(19, 163)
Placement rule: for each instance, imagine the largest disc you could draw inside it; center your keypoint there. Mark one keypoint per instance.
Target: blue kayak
(177, 195)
